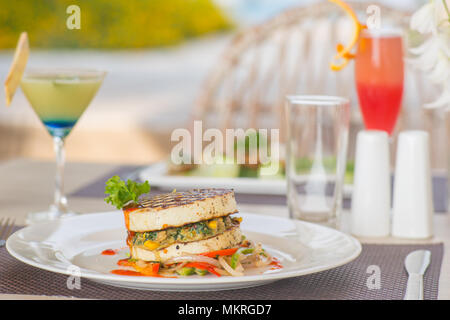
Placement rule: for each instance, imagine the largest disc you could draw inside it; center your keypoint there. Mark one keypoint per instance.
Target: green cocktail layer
(59, 101)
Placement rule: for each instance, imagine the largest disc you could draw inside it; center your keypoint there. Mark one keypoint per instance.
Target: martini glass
(59, 97)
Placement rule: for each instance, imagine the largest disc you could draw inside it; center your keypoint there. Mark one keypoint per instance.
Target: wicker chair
(290, 54)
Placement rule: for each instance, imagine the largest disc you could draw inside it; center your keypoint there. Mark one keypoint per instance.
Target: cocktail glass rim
(385, 32)
(313, 100)
(58, 71)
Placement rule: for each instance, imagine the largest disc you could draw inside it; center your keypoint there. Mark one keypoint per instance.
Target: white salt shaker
(371, 199)
(413, 200)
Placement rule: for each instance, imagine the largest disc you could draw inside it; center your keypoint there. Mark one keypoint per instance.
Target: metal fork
(6, 227)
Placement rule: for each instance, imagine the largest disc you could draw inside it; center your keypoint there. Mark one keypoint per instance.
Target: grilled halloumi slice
(228, 239)
(179, 208)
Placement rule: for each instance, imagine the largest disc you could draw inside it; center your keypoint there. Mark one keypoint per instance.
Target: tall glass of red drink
(379, 78)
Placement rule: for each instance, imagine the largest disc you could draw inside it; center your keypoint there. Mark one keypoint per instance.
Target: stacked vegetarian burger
(183, 233)
(173, 224)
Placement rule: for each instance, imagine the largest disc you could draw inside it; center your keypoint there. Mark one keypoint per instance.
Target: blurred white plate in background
(157, 175)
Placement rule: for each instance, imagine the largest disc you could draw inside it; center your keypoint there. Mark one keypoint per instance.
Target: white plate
(303, 248)
(157, 175)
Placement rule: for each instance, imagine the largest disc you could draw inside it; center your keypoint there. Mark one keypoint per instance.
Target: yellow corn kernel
(212, 224)
(151, 245)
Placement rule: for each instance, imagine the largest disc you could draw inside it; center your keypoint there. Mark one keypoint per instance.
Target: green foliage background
(108, 24)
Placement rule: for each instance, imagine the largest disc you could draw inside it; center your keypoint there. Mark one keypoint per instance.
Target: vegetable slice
(193, 258)
(186, 271)
(203, 266)
(228, 268)
(225, 252)
(237, 254)
(150, 269)
(201, 272)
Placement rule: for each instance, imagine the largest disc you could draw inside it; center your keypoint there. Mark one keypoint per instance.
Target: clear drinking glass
(316, 156)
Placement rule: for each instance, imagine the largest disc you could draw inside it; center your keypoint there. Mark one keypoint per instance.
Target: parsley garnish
(121, 193)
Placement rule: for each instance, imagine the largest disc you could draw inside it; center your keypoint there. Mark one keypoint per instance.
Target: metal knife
(416, 263)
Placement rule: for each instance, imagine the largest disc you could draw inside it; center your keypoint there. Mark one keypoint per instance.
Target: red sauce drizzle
(121, 272)
(124, 263)
(130, 238)
(109, 252)
(276, 264)
(126, 214)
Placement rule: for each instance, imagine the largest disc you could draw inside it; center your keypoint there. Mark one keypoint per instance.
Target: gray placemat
(96, 190)
(345, 282)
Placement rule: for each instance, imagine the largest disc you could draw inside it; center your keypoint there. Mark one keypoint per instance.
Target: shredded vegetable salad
(227, 262)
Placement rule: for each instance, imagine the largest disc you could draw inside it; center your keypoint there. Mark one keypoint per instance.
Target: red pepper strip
(121, 272)
(203, 266)
(150, 270)
(245, 244)
(225, 252)
(213, 271)
(125, 263)
(155, 267)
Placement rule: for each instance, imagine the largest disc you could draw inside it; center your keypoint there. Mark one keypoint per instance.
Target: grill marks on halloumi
(180, 208)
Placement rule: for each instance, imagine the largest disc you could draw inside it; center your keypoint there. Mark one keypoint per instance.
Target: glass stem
(60, 203)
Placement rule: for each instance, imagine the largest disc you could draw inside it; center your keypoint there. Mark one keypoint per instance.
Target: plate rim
(95, 276)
